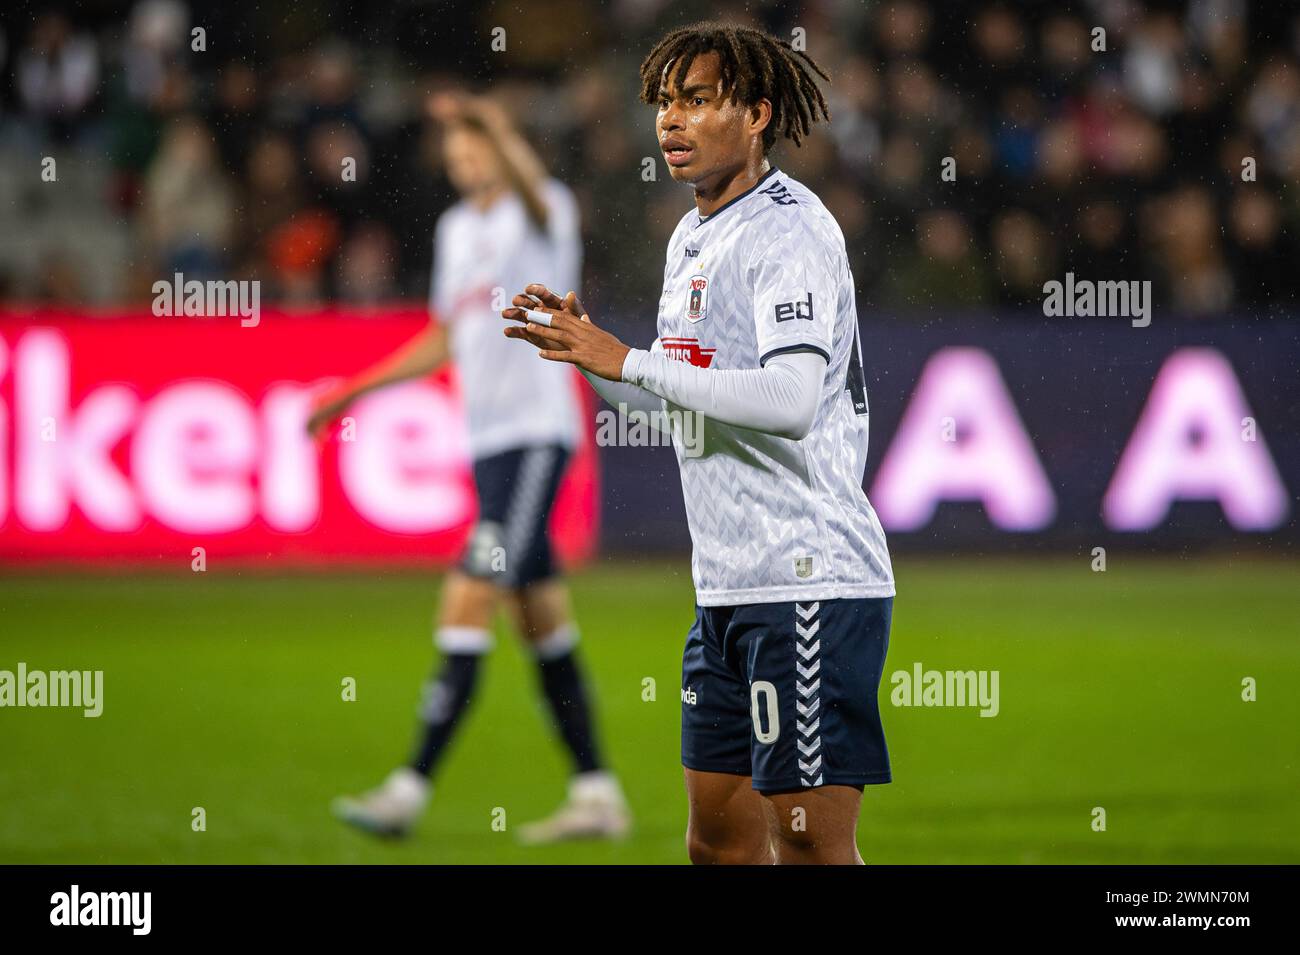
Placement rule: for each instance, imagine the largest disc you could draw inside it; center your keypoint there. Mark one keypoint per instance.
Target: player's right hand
(569, 335)
(551, 300)
(542, 299)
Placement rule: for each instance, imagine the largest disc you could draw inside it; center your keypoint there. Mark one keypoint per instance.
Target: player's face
(472, 164)
(704, 137)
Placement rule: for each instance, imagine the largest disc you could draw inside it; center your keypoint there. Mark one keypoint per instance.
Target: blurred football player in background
(512, 225)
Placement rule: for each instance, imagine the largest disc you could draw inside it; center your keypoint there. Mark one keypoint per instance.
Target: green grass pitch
(1120, 690)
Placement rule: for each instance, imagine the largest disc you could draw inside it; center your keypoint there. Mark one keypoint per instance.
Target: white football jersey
(772, 519)
(512, 398)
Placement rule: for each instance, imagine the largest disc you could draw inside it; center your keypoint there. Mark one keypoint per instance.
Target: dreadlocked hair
(755, 66)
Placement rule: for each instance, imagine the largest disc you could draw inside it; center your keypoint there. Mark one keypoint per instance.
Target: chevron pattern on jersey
(808, 687)
(758, 504)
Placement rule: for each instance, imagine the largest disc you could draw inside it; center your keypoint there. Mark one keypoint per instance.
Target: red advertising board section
(130, 437)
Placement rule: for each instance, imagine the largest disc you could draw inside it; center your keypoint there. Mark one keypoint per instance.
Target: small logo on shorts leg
(803, 566)
(688, 696)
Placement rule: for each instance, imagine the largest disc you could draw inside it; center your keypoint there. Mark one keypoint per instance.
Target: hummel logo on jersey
(692, 253)
(688, 350)
(779, 194)
(788, 310)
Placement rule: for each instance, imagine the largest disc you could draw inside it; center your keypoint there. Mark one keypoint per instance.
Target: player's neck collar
(701, 220)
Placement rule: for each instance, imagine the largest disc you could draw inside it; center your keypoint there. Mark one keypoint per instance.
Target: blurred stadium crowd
(225, 162)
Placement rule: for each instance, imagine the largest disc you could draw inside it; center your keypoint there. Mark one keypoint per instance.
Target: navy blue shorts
(516, 490)
(787, 693)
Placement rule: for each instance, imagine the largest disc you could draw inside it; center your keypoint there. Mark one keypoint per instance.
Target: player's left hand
(572, 336)
(327, 404)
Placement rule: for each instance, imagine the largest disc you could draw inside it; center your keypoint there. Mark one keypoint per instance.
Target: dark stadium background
(1123, 687)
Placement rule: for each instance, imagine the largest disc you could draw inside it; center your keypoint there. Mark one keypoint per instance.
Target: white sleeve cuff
(632, 363)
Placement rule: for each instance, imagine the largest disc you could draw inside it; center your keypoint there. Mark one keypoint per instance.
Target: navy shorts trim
(510, 544)
(788, 693)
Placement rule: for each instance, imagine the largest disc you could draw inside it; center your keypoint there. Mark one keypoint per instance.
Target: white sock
(557, 643)
(599, 785)
(463, 639)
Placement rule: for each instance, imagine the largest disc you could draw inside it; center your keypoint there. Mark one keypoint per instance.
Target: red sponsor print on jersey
(688, 350)
(476, 298)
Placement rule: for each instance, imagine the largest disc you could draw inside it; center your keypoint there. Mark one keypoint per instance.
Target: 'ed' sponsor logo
(786, 311)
